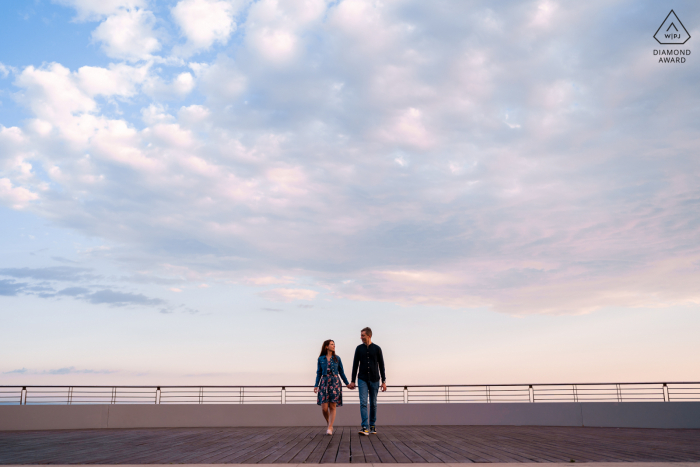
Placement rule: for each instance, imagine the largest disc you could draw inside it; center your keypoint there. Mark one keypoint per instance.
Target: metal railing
(457, 393)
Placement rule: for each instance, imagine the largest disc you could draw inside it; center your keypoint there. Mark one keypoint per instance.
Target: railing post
(405, 394)
(157, 401)
(283, 395)
(23, 396)
(70, 395)
(114, 395)
(531, 391)
(619, 392)
(667, 394)
(488, 394)
(447, 394)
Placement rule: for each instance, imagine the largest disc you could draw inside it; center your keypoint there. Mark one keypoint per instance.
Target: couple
(369, 359)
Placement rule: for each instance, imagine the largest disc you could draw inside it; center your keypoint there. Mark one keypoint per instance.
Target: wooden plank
(407, 439)
(367, 448)
(204, 445)
(343, 456)
(473, 448)
(356, 453)
(395, 452)
(382, 452)
(317, 454)
(302, 437)
(274, 445)
(392, 436)
(242, 450)
(438, 442)
(489, 451)
(441, 450)
(293, 450)
(306, 451)
(538, 449)
(332, 450)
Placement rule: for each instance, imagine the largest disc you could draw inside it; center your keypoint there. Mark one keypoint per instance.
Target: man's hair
(367, 331)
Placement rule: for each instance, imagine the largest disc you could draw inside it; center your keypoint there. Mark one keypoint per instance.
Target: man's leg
(362, 390)
(373, 390)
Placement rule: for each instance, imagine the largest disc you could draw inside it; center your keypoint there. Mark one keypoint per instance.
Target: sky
(203, 191)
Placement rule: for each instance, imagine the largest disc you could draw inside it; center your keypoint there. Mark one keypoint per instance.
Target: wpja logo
(672, 32)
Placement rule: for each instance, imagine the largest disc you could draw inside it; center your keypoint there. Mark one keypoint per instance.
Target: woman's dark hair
(324, 349)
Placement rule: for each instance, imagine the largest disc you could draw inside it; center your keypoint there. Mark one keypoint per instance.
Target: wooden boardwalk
(395, 444)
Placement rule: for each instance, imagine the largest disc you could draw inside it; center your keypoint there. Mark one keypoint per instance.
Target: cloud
(204, 22)
(380, 151)
(128, 35)
(114, 298)
(16, 197)
(268, 280)
(87, 293)
(96, 9)
(71, 370)
(73, 291)
(61, 259)
(11, 288)
(289, 295)
(53, 273)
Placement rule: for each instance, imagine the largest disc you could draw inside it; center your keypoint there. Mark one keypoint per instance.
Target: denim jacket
(336, 368)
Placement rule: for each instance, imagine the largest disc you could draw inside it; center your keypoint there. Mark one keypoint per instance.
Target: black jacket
(371, 363)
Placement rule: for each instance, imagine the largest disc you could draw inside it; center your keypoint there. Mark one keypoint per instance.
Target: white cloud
(276, 45)
(178, 87)
(15, 197)
(117, 80)
(223, 78)
(97, 9)
(204, 22)
(273, 28)
(289, 295)
(128, 35)
(268, 280)
(371, 145)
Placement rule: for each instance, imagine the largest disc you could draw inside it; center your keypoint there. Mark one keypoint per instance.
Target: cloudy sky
(202, 191)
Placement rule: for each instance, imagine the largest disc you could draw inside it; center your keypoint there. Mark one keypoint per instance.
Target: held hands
(383, 387)
(350, 386)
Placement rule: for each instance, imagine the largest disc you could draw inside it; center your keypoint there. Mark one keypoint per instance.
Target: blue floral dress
(330, 389)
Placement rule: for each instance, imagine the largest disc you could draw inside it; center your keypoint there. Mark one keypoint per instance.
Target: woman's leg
(324, 407)
(331, 415)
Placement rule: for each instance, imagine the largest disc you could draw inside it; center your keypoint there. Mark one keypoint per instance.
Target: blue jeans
(368, 389)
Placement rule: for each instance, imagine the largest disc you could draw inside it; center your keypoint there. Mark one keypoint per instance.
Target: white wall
(608, 414)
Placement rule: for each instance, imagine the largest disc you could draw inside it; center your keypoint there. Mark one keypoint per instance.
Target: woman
(328, 387)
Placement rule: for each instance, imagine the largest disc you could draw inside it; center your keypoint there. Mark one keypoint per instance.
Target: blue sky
(504, 191)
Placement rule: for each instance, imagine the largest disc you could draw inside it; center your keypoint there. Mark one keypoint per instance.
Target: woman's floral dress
(330, 389)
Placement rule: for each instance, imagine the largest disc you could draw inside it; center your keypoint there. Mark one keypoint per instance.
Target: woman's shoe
(329, 431)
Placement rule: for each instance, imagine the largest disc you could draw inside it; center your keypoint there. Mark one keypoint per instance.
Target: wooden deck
(395, 444)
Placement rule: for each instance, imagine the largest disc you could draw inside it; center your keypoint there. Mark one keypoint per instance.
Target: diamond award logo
(672, 31)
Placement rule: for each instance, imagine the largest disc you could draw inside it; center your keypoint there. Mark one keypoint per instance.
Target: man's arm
(380, 361)
(355, 365)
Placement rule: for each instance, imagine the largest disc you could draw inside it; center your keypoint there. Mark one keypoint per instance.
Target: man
(369, 359)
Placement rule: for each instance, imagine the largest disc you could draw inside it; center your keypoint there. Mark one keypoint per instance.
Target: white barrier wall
(603, 414)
